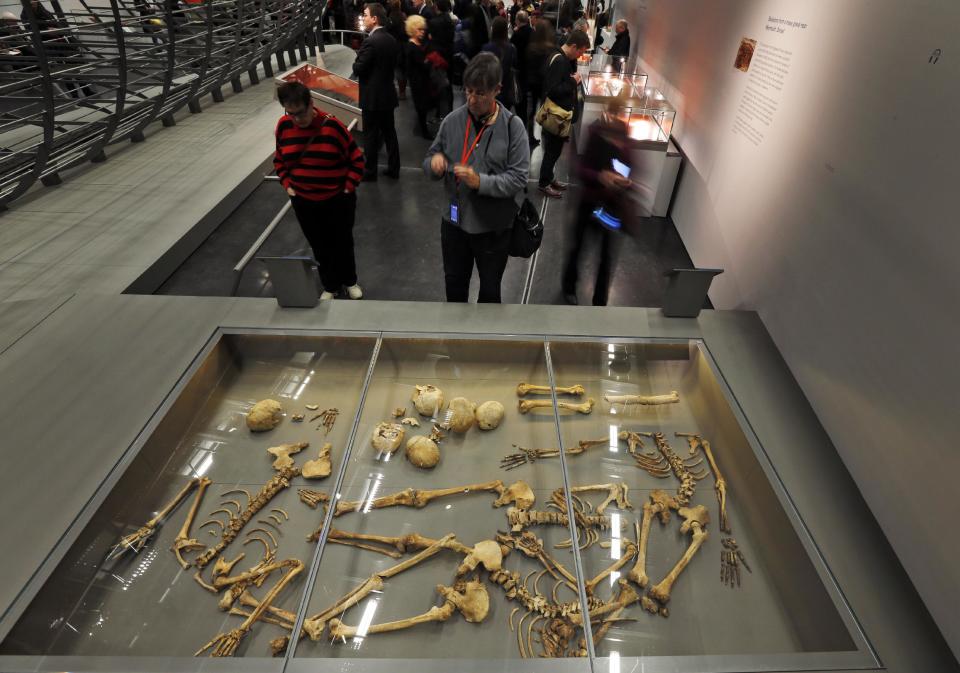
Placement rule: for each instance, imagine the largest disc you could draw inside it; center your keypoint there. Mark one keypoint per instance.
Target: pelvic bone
(265, 415)
(319, 468)
(283, 452)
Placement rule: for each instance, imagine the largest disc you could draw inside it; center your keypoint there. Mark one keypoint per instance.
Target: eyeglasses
(300, 114)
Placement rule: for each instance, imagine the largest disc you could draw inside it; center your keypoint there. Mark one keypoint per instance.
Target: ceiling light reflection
(614, 437)
(614, 662)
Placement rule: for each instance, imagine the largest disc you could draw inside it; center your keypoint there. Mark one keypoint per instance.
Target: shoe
(571, 298)
(354, 292)
(559, 186)
(327, 296)
(551, 192)
(386, 172)
(534, 143)
(369, 177)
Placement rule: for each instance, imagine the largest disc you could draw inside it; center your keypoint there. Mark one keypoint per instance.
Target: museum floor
(398, 243)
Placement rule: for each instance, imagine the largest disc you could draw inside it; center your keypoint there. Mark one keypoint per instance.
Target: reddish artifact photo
(745, 54)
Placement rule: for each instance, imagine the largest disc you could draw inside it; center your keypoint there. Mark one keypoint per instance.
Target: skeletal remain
(428, 400)
(223, 567)
(387, 437)
(276, 519)
(520, 519)
(280, 511)
(525, 455)
(267, 549)
(297, 418)
(659, 505)
(280, 481)
(731, 558)
(319, 468)
(312, 498)
(423, 452)
(528, 388)
(264, 415)
(235, 503)
(526, 406)
(695, 520)
(283, 452)
(135, 541)
(435, 433)
(314, 626)
(459, 415)
(652, 462)
(311, 407)
(530, 545)
(225, 644)
(269, 534)
(410, 497)
(327, 418)
(615, 493)
(183, 542)
(670, 398)
(628, 553)
(719, 483)
(688, 479)
(489, 415)
(412, 422)
(519, 493)
(486, 553)
(473, 603)
(399, 412)
(210, 521)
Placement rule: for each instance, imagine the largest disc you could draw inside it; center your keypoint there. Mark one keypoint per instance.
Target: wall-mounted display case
(594, 489)
(332, 93)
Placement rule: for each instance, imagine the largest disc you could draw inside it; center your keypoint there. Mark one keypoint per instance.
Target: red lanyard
(465, 153)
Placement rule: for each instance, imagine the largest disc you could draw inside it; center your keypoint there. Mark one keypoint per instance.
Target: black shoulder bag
(527, 232)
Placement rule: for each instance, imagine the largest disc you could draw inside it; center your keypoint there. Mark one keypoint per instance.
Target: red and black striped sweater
(333, 162)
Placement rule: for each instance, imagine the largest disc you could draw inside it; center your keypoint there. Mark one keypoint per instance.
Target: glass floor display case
(332, 93)
(601, 85)
(515, 503)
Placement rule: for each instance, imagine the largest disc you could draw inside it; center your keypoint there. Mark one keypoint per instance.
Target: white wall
(841, 229)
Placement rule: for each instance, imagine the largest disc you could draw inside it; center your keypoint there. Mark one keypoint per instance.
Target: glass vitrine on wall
(408, 500)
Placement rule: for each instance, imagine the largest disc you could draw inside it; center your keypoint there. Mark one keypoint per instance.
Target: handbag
(526, 233)
(553, 118)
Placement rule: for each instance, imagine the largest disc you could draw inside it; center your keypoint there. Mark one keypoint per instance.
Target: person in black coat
(373, 67)
(522, 33)
(621, 40)
(442, 32)
(420, 7)
(507, 53)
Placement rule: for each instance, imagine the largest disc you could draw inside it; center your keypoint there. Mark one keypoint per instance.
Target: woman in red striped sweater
(320, 166)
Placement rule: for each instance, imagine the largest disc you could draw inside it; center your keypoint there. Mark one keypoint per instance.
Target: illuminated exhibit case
(331, 93)
(474, 557)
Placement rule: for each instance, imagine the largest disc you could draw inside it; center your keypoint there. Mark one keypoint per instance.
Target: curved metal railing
(76, 77)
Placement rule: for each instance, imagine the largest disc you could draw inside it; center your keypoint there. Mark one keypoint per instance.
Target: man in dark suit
(420, 7)
(374, 68)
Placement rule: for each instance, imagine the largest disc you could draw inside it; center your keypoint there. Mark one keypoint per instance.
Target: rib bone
(527, 405)
(526, 388)
(670, 398)
(695, 521)
(183, 542)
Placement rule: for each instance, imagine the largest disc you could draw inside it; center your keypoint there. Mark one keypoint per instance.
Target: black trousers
(585, 222)
(378, 128)
(552, 149)
(328, 227)
(462, 250)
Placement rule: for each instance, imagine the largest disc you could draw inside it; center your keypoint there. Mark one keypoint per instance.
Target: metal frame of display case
(863, 657)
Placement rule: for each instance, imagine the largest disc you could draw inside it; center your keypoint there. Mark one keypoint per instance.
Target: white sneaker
(326, 296)
(354, 292)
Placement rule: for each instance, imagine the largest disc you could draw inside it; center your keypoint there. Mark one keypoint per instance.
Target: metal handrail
(102, 72)
(248, 256)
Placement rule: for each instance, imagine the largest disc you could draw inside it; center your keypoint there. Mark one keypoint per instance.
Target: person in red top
(320, 166)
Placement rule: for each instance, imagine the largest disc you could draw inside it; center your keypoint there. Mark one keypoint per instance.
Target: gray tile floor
(398, 243)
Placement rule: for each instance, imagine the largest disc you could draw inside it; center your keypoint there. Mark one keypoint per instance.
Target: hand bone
(526, 406)
(283, 453)
(527, 388)
(670, 398)
(139, 537)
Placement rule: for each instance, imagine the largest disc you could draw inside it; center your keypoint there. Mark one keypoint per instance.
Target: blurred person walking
(560, 86)
(522, 32)
(481, 154)
(374, 67)
(320, 166)
(603, 170)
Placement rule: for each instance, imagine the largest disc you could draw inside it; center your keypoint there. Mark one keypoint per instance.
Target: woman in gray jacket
(482, 155)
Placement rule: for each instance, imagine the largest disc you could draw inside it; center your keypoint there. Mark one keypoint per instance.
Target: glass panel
(778, 605)
(479, 371)
(142, 603)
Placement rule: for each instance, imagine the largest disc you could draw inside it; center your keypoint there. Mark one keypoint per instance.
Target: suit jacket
(374, 66)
